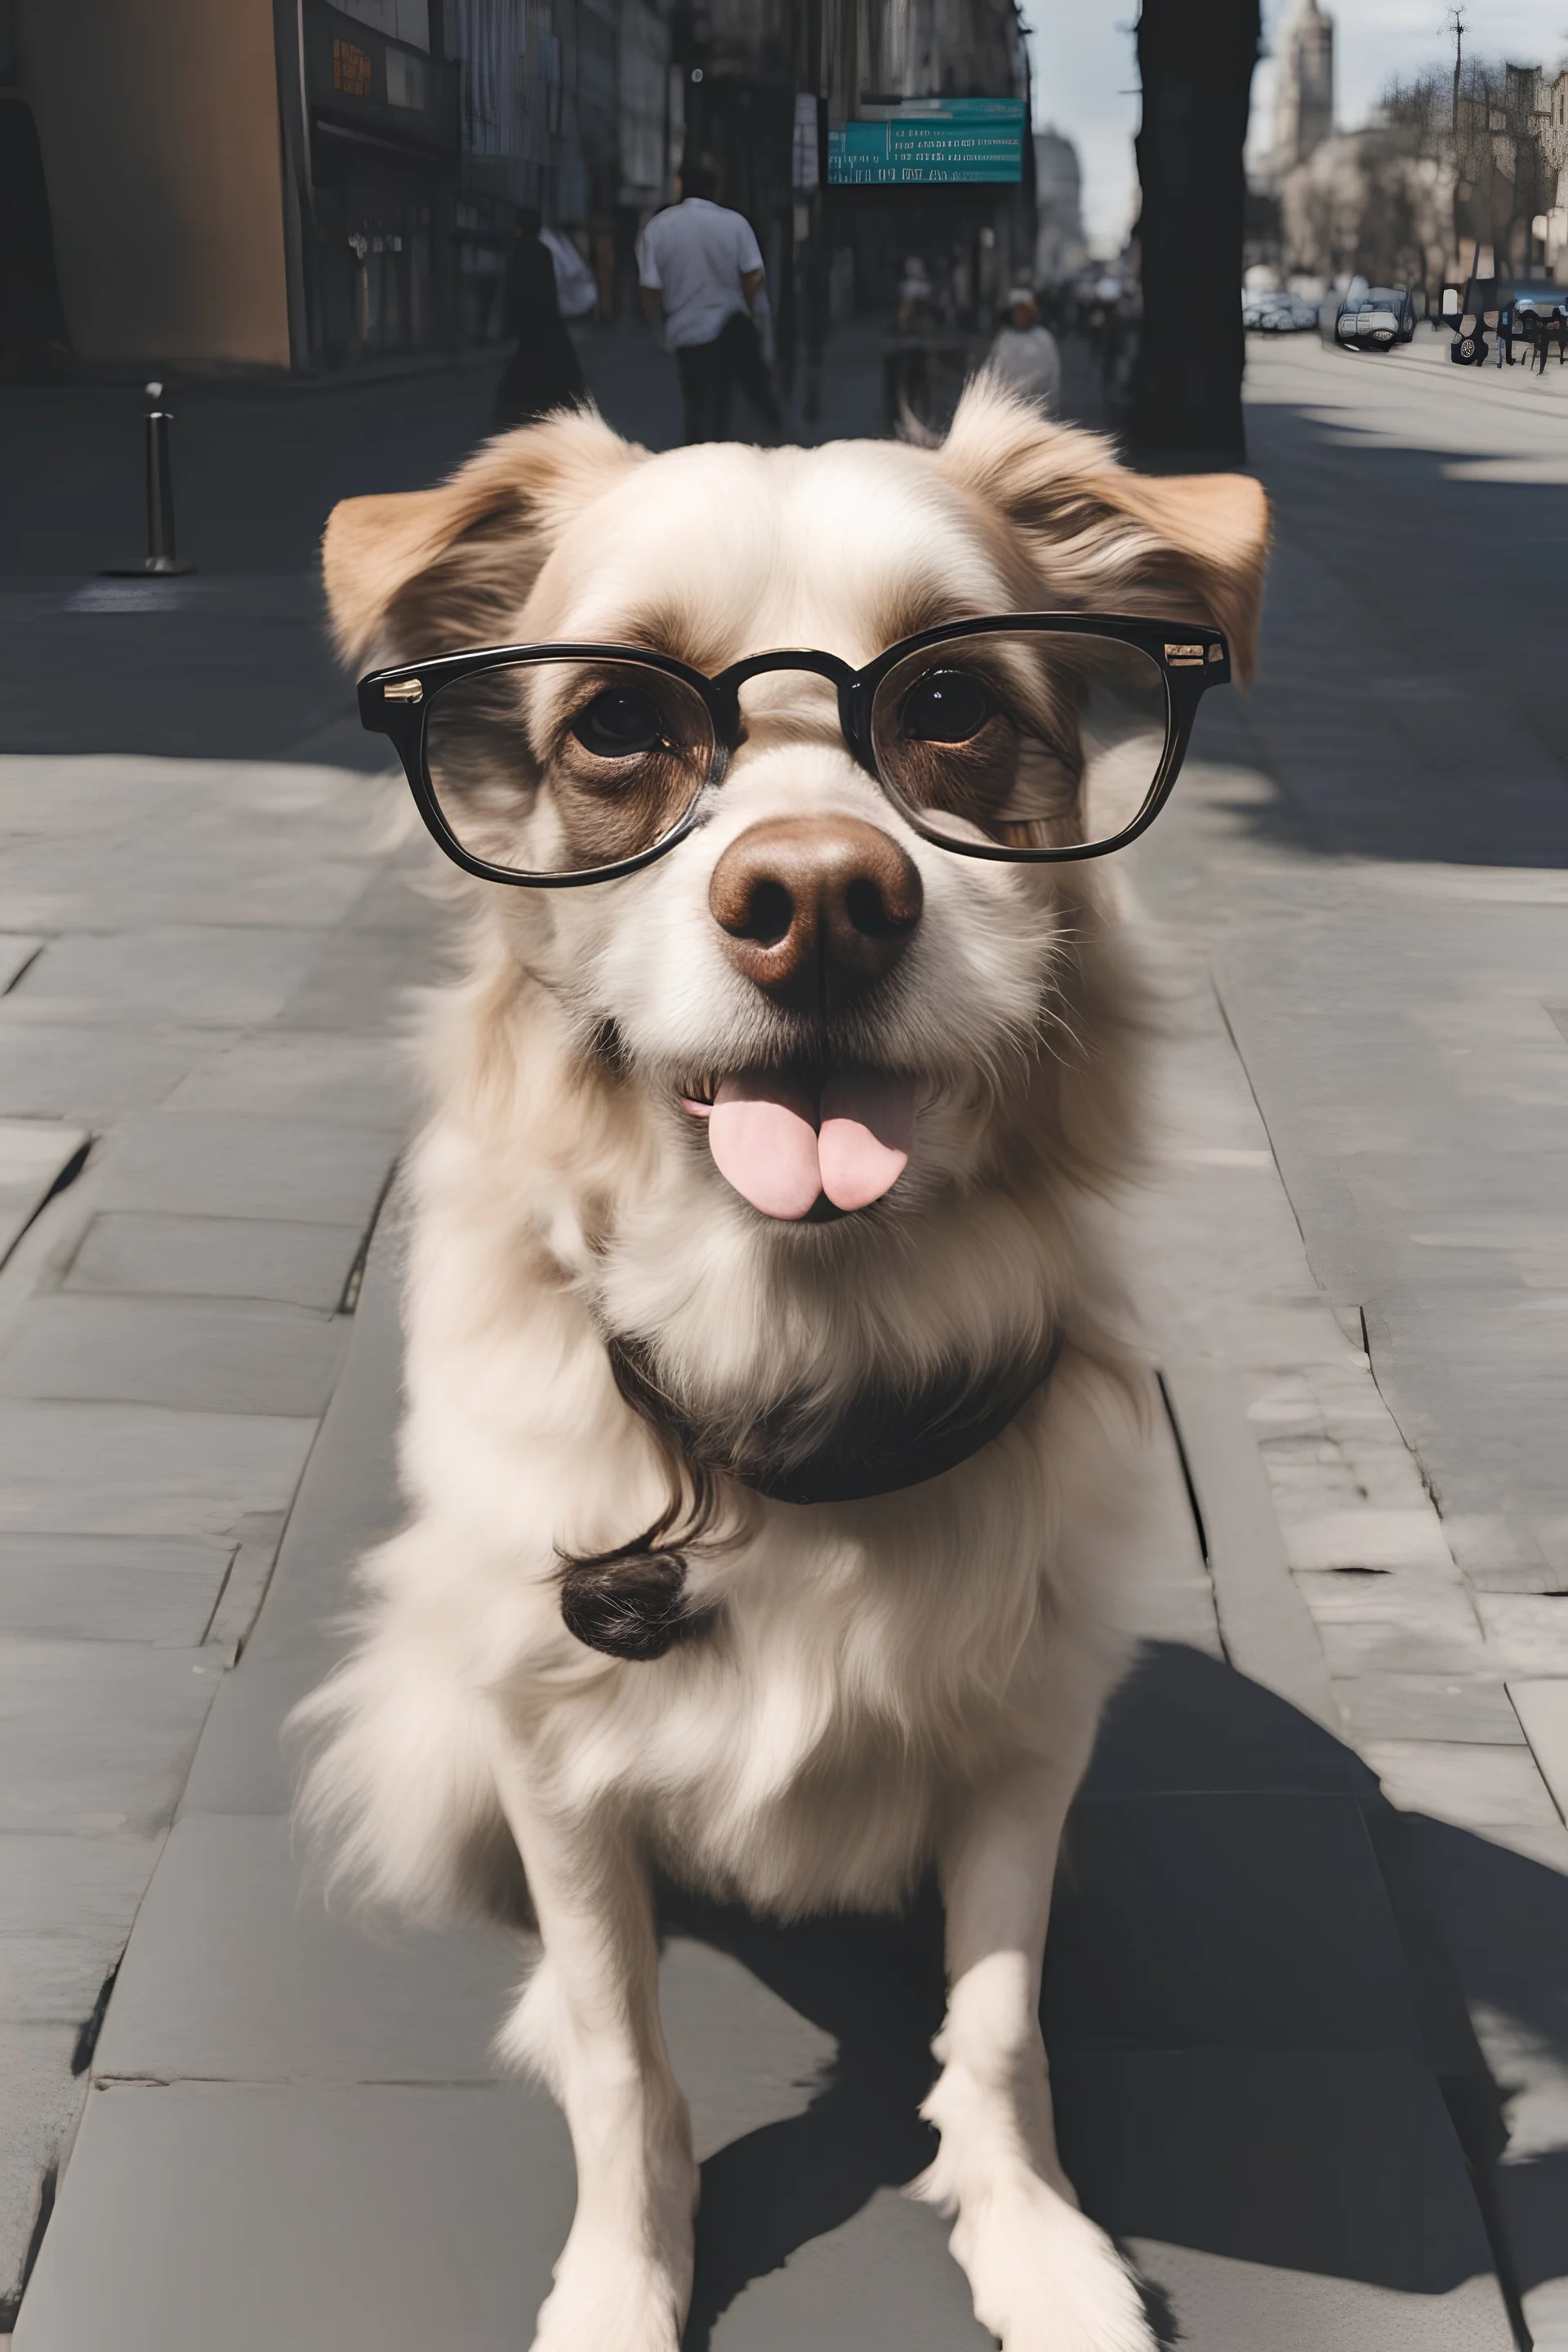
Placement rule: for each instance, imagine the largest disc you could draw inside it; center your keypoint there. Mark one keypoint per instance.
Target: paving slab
(43, 2098)
(238, 1972)
(69, 799)
(1543, 1711)
(1503, 1910)
(1427, 1605)
(284, 1259)
(348, 1500)
(1527, 1632)
(1184, 1722)
(289, 1074)
(229, 863)
(359, 980)
(1360, 1641)
(97, 1737)
(223, 1163)
(226, 865)
(88, 1072)
(195, 973)
(387, 2218)
(238, 1356)
(407, 893)
(17, 950)
(131, 1469)
(64, 1902)
(1265, 1627)
(1232, 1921)
(240, 1765)
(1443, 1706)
(1474, 1785)
(160, 1588)
(881, 2280)
(1332, 2175)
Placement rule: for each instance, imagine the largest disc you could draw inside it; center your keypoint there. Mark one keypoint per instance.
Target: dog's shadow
(875, 1987)
(1200, 1938)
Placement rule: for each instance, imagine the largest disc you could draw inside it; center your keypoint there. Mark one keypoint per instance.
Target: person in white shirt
(701, 271)
(1024, 353)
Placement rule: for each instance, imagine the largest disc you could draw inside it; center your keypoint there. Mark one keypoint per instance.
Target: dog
(771, 1418)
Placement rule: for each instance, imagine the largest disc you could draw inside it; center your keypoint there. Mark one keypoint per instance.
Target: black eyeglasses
(1031, 737)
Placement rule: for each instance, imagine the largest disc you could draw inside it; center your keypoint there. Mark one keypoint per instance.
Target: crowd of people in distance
(703, 290)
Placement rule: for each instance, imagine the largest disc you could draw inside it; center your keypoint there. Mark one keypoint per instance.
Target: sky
(1086, 78)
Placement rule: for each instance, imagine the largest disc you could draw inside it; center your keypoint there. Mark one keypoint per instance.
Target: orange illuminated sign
(351, 70)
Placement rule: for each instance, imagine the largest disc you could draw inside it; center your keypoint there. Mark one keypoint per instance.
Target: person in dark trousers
(700, 272)
(543, 372)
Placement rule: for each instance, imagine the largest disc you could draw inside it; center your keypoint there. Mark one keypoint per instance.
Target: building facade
(321, 184)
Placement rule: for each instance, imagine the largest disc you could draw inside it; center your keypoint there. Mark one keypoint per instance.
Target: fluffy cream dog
(617, 1335)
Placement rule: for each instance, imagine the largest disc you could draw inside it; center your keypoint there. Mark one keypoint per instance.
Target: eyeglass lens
(557, 767)
(1026, 739)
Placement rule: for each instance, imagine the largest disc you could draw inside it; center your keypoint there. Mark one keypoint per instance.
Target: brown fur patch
(417, 573)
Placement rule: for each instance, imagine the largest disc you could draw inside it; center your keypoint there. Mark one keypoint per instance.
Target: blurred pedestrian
(700, 273)
(576, 290)
(543, 372)
(1024, 353)
(915, 298)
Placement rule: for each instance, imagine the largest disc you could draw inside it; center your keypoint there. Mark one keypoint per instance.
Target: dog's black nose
(815, 909)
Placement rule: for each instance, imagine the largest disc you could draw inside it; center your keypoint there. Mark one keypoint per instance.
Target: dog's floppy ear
(423, 571)
(1107, 539)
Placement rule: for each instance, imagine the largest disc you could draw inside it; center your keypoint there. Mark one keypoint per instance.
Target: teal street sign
(930, 140)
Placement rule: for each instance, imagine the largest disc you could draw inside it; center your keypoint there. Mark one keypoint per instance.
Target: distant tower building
(1059, 247)
(1304, 84)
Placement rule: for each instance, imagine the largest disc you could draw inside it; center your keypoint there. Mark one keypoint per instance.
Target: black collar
(889, 1440)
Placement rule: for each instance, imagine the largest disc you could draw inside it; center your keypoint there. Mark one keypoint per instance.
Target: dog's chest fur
(864, 1664)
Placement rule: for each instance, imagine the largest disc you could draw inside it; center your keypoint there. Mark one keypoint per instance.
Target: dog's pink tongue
(763, 1138)
(868, 1126)
(763, 1135)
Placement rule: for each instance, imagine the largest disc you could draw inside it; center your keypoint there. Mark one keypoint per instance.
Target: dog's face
(818, 1016)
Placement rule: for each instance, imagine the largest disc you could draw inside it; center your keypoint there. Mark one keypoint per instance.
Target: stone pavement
(1272, 1996)
(1368, 869)
(200, 1104)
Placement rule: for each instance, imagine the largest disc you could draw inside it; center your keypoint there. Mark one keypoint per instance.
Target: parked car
(1373, 318)
(1275, 312)
(1531, 301)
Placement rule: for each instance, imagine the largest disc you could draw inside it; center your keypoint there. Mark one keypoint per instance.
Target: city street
(1305, 2000)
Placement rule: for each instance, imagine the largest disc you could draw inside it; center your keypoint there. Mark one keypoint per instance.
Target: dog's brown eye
(949, 705)
(620, 723)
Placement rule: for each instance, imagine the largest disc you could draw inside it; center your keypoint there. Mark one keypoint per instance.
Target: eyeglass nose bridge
(838, 674)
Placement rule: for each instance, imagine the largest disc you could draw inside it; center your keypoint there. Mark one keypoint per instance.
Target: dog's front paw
(1043, 2278)
(608, 2300)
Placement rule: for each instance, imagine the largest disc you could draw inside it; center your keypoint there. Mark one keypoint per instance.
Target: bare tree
(1493, 131)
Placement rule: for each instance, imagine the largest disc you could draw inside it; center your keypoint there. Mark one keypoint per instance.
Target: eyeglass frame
(1191, 656)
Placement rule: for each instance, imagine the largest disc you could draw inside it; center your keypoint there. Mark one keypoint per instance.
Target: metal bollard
(160, 561)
